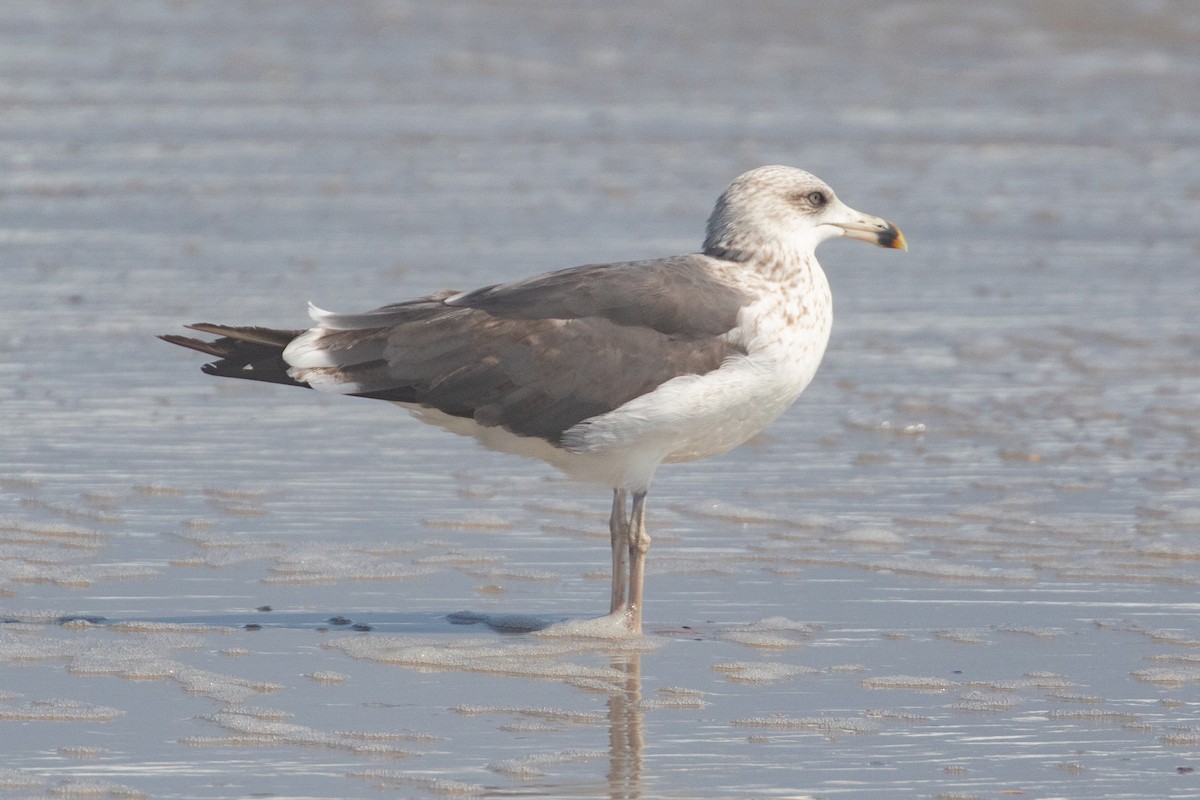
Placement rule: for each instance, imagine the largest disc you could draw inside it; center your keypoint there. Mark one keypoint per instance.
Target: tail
(252, 353)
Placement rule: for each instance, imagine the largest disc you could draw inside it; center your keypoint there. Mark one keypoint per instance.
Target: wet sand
(965, 564)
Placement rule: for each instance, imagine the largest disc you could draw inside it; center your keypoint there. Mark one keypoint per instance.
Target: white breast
(697, 416)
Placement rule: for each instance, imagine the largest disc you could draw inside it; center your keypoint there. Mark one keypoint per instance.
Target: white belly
(687, 418)
(696, 416)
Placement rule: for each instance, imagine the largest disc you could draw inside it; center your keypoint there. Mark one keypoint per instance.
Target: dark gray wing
(678, 296)
(533, 377)
(536, 356)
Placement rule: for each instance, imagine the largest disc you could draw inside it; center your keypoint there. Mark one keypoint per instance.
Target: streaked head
(775, 209)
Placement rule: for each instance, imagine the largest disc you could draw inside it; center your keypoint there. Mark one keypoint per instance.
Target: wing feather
(680, 296)
(533, 377)
(537, 356)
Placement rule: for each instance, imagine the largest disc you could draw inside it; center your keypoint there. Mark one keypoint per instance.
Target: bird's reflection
(626, 734)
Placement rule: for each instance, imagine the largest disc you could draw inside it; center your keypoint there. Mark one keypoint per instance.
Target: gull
(604, 371)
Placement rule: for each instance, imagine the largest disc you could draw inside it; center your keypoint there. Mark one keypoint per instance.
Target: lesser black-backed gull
(605, 370)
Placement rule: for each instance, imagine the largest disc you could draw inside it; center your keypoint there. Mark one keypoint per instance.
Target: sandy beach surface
(964, 565)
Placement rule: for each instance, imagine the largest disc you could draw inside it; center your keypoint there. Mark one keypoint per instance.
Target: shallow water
(965, 564)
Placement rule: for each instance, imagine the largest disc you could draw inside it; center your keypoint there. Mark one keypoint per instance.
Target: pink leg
(639, 544)
(618, 527)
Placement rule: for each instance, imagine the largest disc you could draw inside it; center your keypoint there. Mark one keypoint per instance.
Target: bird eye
(816, 198)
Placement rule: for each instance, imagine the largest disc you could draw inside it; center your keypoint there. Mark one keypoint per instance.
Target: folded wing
(535, 357)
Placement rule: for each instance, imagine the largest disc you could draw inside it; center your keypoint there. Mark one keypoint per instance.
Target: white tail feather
(306, 352)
